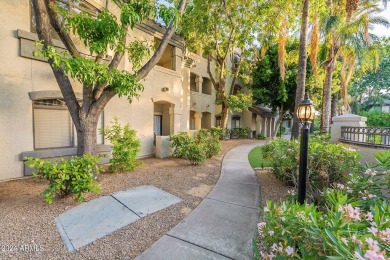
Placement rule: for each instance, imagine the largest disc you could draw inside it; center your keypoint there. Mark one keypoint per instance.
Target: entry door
(157, 124)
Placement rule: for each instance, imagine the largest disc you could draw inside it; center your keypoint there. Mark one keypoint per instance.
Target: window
(71, 6)
(207, 86)
(193, 86)
(235, 121)
(166, 60)
(52, 124)
(218, 121)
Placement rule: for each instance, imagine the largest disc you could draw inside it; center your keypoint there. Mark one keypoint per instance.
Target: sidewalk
(224, 223)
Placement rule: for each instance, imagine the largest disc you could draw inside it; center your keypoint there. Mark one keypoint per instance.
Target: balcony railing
(371, 136)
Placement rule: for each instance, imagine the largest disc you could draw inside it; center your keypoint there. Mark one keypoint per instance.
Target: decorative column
(198, 120)
(199, 81)
(345, 120)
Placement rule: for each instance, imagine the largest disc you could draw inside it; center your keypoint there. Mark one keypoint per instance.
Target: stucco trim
(165, 99)
(60, 152)
(49, 94)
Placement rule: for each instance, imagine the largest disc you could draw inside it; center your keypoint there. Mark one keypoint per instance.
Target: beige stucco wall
(20, 75)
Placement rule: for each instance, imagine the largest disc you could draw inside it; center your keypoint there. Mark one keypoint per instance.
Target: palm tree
(346, 35)
(301, 66)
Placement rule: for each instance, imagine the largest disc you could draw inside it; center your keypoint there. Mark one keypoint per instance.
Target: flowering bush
(328, 163)
(354, 223)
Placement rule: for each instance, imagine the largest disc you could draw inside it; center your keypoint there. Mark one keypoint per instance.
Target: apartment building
(178, 96)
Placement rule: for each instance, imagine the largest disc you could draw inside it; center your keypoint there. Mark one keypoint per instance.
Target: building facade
(178, 96)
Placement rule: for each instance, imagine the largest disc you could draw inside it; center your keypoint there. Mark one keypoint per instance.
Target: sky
(380, 30)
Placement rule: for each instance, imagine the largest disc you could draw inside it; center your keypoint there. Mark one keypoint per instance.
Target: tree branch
(144, 71)
(55, 22)
(43, 30)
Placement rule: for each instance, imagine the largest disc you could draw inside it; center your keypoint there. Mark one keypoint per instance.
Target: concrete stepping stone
(220, 227)
(95, 219)
(145, 200)
(178, 250)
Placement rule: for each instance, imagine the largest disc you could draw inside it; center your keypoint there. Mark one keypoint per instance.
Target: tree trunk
(326, 100)
(86, 135)
(224, 117)
(301, 68)
(278, 123)
(335, 99)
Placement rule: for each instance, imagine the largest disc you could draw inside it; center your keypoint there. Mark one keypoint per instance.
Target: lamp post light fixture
(305, 113)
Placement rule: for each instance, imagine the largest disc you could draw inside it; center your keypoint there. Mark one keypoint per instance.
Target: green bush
(217, 132)
(260, 136)
(196, 153)
(383, 159)
(377, 119)
(196, 149)
(180, 143)
(327, 163)
(73, 176)
(228, 132)
(354, 224)
(244, 132)
(125, 148)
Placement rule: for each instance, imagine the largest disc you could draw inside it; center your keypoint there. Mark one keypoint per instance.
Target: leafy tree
(377, 118)
(223, 29)
(268, 87)
(370, 87)
(103, 34)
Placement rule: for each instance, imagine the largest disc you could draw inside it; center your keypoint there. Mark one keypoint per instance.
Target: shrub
(180, 143)
(217, 132)
(377, 119)
(196, 149)
(260, 136)
(327, 163)
(125, 147)
(196, 153)
(244, 132)
(227, 132)
(354, 224)
(74, 176)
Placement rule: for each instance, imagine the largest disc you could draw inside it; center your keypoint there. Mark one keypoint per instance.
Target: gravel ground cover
(27, 229)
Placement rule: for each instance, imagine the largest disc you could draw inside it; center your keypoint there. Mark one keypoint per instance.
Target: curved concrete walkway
(224, 223)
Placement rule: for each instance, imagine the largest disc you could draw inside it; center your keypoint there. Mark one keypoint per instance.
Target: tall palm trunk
(301, 67)
(333, 110)
(327, 90)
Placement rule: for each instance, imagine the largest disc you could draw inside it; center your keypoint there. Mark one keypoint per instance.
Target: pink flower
(370, 172)
(372, 244)
(340, 186)
(283, 219)
(372, 230)
(372, 255)
(271, 233)
(351, 212)
(358, 256)
(345, 241)
(385, 235)
(289, 250)
(261, 225)
(356, 241)
(369, 216)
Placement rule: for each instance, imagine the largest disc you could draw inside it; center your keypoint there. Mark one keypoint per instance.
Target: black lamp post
(305, 113)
